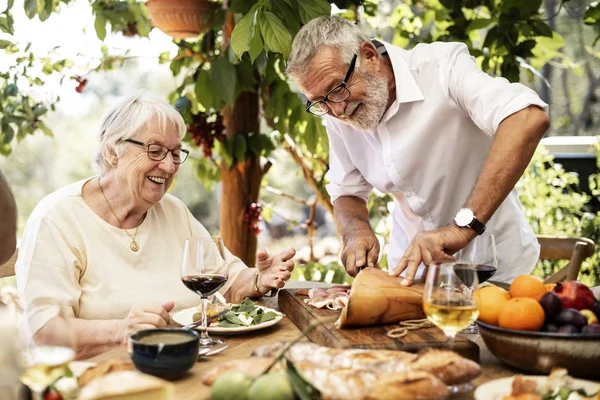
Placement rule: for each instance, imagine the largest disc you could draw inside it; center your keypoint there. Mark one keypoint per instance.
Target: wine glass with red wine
(204, 271)
(481, 255)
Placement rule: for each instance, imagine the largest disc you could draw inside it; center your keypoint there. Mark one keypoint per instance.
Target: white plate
(185, 317)
(498, 388)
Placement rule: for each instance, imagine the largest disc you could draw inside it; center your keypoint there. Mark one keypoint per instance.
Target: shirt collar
(407, 89)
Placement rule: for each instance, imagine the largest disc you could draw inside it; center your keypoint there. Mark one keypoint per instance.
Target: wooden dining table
(190, 386)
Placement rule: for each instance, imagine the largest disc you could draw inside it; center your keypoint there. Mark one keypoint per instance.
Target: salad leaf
(247, 313)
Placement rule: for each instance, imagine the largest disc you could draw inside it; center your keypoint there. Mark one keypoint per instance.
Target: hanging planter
(181, 19)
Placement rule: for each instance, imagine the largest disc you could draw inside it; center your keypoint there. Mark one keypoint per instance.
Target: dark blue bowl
(154, 355)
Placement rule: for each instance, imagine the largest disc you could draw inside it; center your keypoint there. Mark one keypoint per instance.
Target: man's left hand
(274, 270)
(430, 247)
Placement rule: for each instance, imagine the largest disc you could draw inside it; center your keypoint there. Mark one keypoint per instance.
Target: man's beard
(372, 107)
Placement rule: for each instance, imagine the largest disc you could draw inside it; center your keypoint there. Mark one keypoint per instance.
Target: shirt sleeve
(235, 264)
(485, 99)
(48, 272)
(343, 177)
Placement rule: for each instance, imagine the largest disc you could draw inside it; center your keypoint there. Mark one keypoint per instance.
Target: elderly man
(448, 141)
(8, 221)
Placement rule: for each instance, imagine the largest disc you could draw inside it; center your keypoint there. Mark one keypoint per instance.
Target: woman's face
(148, 180)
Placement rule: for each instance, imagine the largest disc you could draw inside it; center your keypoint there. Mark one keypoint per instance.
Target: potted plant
(182, 18)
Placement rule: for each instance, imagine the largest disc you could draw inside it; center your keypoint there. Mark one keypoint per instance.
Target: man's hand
(274, 270)
(145, 316)
(430, 247)
(361, 250)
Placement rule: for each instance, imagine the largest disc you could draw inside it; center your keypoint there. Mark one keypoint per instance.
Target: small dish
(164, 352)
(185, 317)
(498, 388)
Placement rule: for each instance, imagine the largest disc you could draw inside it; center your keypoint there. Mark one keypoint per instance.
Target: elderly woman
(110, 246)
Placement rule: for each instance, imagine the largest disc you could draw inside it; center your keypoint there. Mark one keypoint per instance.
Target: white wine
(451, 316)
(44, 365)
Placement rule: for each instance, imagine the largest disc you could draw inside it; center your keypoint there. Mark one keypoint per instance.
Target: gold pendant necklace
(134, 246)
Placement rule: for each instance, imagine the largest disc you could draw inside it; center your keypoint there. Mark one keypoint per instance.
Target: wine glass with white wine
(47, 357)
(448, 301)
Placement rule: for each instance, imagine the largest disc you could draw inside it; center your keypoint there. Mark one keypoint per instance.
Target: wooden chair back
(574, 249)
(8, 268)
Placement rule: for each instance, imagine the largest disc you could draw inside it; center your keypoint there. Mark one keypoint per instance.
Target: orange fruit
(550, 286)
(523, 314)
(527, 286)
(491, 299)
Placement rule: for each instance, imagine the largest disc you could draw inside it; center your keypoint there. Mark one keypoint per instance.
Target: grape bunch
(81, 82)
(253, 217)
(205, 129)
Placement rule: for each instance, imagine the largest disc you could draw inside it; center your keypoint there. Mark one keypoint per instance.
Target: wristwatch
(465, 218)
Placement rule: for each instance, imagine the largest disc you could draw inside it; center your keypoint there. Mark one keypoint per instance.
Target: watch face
(464, 217)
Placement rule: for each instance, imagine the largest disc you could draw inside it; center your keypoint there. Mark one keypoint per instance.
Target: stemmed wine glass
(47, 356)
(448, 301)
(204, 271)
(481, 254)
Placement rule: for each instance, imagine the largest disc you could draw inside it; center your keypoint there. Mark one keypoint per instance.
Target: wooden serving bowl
(542, 351)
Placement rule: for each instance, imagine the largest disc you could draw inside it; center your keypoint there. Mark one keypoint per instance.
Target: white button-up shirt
(430, 146)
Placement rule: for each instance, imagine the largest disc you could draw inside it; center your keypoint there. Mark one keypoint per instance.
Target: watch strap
(477, 226)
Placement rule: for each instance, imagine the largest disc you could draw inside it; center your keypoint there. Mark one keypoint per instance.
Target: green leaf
(6, 25)
(303, 389)
(310, 9)
(256, 44)
(277, 38)
(47, 131)
(240, 6)
(204, 91)
(243, 33)
(8, 133)
(240, 147)
(223, 79)
(255, 144)
(286, 13)
(246, 76)
(30, 8)
(5, 43)
(100, 26)
(479, 23)
(311, 135)
(245, 306)
(540, 28)
(232, 318)
(268, 316)
(164, 57)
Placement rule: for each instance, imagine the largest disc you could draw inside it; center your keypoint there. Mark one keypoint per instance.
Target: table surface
(190, 387)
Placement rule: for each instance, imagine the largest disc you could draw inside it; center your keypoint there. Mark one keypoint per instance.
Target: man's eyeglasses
(158, 152)
(336, 95)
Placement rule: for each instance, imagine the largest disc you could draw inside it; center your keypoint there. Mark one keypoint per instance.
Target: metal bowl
(542, 351)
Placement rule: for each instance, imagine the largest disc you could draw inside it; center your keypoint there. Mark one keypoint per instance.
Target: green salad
(247, 313)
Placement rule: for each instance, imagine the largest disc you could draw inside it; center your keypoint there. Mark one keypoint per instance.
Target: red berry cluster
(205, 129)
(253, 217)
(81, 82)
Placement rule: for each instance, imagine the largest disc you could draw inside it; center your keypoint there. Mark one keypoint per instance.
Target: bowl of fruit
(536, 327)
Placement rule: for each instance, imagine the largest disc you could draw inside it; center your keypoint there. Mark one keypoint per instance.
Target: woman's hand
(145, 316)
(273, 271)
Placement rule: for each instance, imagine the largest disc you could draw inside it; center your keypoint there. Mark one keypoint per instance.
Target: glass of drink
(448, 301)
(47, 357)
(480, 254)
(204, 271)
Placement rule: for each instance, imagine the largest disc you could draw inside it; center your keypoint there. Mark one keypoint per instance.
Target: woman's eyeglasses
(158, 152)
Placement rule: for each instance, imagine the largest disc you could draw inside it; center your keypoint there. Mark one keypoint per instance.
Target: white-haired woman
(110, 246)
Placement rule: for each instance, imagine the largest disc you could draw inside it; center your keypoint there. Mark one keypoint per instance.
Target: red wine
(204, 285)
(484, 272)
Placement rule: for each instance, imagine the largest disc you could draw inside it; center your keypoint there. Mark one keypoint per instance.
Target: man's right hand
(361, 249)
(145, 316)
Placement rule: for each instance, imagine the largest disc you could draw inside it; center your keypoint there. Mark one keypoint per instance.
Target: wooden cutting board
(373, 337)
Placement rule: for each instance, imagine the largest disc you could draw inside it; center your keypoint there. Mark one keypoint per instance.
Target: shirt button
(409, 194)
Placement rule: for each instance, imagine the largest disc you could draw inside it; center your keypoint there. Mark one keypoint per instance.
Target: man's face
(369, 95)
